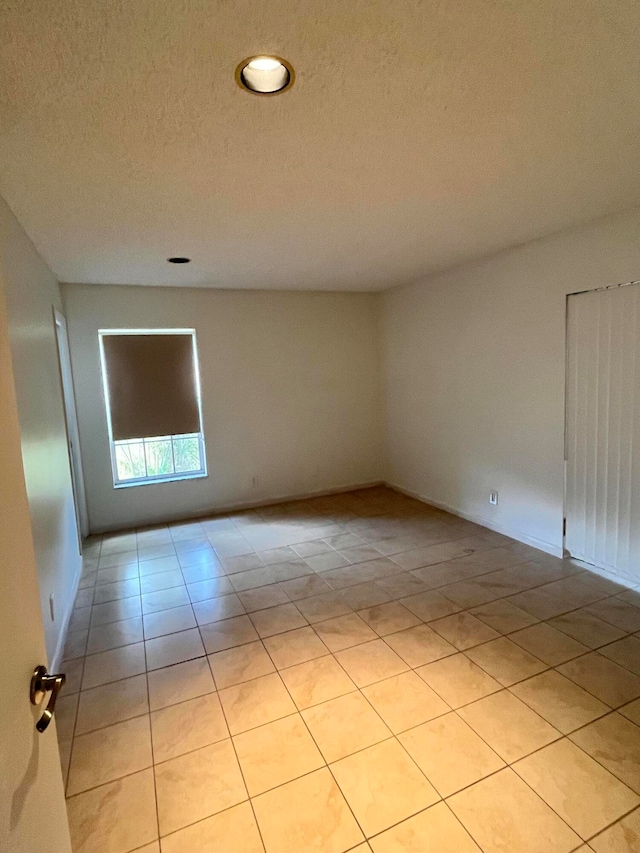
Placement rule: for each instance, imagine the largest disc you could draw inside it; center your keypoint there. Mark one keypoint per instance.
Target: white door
(33, 816)
(603, 429)
(71, 422)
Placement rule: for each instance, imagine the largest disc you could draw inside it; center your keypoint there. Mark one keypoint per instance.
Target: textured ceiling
(419, 133)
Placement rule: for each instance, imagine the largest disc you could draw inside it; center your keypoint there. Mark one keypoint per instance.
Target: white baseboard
(630, 581)
(322, 493)
(255, 504)
(547, 547)
(54, 663)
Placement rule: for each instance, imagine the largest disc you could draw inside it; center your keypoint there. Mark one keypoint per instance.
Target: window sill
(175, 478)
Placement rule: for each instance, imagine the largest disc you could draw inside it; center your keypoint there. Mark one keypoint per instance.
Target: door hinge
(564, 526)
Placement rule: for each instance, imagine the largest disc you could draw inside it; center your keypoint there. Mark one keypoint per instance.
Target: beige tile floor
(352, 673)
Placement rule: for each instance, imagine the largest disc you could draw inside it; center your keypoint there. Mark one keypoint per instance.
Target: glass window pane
(159, 458)
(130, 461)
(187, 454)
(152, 460)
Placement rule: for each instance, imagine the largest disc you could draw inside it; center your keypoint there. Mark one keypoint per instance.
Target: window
(170, 457)
(152, 397)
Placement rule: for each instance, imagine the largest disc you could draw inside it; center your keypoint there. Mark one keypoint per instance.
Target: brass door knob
(41, 684)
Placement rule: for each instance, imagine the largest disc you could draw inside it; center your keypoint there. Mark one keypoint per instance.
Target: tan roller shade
(152, 385)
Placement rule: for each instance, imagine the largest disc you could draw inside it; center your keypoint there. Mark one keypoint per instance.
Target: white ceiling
(419, 134)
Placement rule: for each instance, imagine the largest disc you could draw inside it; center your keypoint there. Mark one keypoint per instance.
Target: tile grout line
(548, 667)
(326, 763)
(148, 695)
(235, 752)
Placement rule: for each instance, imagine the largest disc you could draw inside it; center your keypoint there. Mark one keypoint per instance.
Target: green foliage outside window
(158, 457)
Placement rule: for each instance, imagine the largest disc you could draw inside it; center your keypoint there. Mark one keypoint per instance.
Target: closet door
(603, 429)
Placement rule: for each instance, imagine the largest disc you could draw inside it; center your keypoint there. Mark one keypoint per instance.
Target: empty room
(320, 426)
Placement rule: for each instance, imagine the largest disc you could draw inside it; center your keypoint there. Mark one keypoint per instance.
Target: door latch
(41, 684)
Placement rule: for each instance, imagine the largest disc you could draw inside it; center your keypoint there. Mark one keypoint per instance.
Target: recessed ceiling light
(264, 75)
(179, 260)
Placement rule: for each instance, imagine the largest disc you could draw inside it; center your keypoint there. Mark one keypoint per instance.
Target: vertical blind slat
(634, 497)
(603, 429)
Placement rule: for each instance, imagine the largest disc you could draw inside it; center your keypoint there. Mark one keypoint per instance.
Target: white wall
(291, 393)
(31, 292)
(474, 363)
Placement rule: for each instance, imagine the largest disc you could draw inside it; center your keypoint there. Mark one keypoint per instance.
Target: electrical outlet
(52, 607)
(493, 498)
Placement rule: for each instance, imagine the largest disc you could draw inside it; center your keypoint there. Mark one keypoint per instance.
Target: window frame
(148, 480)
